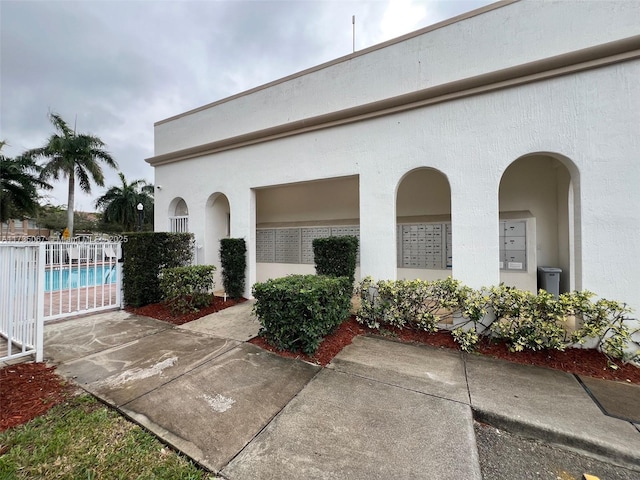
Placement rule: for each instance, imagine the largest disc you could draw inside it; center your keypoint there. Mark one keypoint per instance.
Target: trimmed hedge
(298, 311)
(187, 289)
(234, 263)
(145, 255)
(336, 256)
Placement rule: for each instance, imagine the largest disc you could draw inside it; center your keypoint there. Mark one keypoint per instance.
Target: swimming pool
(75, 277)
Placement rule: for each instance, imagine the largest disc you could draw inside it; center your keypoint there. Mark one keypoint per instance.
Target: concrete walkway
(381, 409)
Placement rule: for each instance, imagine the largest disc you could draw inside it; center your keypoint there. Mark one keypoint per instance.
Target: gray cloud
(119, 66)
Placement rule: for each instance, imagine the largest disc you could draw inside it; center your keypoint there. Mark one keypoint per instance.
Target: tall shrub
(336, 256)
(145, 255)
(233, 258)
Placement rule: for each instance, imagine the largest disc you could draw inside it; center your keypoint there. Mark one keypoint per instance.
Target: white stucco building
(482, 147)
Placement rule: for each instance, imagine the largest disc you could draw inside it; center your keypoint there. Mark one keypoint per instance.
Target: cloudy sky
(113, 68)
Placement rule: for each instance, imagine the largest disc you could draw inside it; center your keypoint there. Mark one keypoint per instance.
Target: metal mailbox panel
(265, 246)
(515, 260)
(288, 245)
(515, 229)
(514, 243)
(308, 236)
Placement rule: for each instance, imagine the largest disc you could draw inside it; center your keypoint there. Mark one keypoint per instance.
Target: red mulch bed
(580, 361)
(28, 390)
(329, 348)
(161, 311)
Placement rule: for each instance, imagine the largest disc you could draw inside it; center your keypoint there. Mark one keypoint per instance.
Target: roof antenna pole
(353, 22)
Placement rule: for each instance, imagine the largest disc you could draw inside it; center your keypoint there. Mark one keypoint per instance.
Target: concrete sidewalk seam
(266, 425)
(396, 386)
(576, 443)
(466, 375)
(597, 402)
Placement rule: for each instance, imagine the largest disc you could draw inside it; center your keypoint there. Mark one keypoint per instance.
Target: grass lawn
(83, 439)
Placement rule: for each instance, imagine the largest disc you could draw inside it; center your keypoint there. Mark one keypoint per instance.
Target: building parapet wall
(487, 40)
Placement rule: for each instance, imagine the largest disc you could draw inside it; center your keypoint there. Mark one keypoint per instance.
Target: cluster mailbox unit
(426, 245)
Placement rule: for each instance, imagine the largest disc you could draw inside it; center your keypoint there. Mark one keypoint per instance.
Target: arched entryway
(541, 192)
(217, 227)
(423, 217)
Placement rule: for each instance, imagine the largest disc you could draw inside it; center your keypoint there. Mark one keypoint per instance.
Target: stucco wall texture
(576, 135)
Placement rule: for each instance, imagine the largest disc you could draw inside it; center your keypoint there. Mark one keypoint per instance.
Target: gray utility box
(549, 279)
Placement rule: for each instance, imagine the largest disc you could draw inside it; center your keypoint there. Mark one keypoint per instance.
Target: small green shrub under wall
(523, 320)
(187, 289)
(145, 255)
(233, 257)
(336, 256)
(297, 311)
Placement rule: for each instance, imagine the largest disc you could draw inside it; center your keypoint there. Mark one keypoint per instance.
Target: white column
(475, 223)
(243, 225)
(377, 226)
(610, 232)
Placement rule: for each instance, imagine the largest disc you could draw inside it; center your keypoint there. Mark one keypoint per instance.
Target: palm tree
(19, 184)
(72, 156)
(119, 202)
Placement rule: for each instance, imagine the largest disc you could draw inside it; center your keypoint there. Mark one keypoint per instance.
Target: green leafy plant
(145, 255)
(523, 320)
(528, 321)
(467, 339)
(336, 256)
(415, 304)
(298, 311)
(187, 289)
(607, 322)
(421, 305)
(234, 263)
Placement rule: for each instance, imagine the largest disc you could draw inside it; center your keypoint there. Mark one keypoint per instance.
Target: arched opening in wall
(289, 217)
(217, 227)
(540, 222)
(178, 216)
(423, 218)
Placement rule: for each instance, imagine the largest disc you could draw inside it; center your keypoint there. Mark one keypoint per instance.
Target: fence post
(40, 303)
(119, 269)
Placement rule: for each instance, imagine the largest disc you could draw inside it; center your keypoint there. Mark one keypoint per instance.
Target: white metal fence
(21, 300)
(43, 281)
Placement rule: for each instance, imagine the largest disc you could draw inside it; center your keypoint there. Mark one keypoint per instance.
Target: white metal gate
(41, 281)
(81, 277)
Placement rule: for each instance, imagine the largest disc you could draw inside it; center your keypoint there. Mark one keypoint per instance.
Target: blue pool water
(74, 277)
